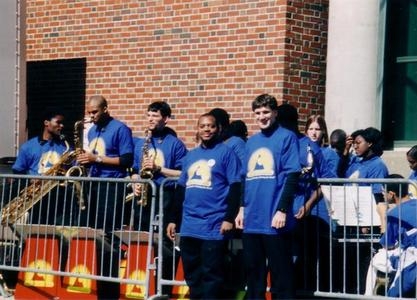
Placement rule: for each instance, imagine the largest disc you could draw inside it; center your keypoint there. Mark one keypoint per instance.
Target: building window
(400, 74)
(57, 84)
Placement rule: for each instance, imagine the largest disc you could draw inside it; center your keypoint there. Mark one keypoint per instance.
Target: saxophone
(144, 173)
(33, 193)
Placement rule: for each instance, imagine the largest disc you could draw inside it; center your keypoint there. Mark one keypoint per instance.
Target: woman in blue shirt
(367, 163)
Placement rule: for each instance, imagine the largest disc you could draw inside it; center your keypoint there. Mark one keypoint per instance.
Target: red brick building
(196, 55)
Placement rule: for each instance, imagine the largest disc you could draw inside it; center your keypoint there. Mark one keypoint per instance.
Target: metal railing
(60, 250)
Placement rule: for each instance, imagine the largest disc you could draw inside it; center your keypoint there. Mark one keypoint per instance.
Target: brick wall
(196, 55)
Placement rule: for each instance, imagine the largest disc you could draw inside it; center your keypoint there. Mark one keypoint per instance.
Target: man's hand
(86, 158)
(239, 219)
(171, 231)
(279, 220)
(226, 227)
(137, 187)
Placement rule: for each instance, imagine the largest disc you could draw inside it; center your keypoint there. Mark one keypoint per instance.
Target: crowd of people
(262, 188)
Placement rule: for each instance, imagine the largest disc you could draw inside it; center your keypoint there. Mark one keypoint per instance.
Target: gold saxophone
(144, 173)
(34, 193)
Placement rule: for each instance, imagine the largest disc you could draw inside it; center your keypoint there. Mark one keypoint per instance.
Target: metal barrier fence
(80, 240)
(334, 255)
(67, 246)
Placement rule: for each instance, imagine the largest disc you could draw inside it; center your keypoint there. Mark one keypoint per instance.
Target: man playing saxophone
(35, 157)
(159, 152)
(109, 155)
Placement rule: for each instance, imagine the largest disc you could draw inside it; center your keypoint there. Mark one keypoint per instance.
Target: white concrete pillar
(12, 77)
(354, 64)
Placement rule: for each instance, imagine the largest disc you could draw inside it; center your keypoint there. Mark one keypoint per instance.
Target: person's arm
(174, 214)
(124, 160)
(290, 188)
(170, 172)
(344, 158)
(233, 202)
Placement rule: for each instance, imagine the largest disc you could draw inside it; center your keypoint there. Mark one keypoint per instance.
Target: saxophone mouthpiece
(88, 120)
(62, 137)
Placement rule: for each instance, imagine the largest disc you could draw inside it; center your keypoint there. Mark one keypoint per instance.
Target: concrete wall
(8, 75)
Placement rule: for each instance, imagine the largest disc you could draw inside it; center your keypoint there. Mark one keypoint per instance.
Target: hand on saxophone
(86, 158)
(137, 187)
(148, 163)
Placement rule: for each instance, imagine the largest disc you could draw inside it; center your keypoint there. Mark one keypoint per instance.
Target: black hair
(288, 117)
(221, 116)
(338, 139)
(162, 107)
(400, 189)
(223, 121)
(412, 152)
(238, 128)
(374, 136)
(51, 113)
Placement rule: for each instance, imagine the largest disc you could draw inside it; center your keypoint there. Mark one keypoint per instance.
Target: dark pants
(203, 262)
(312, 252)
(105, 210)
(273, 253)
(105, 206)
(142, 221)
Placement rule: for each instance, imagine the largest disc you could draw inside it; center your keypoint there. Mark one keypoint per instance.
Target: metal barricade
(68, 246)
(62, 249)
(354, 239)
(344, 245)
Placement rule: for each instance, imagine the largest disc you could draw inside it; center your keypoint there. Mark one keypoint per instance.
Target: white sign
(351, 205)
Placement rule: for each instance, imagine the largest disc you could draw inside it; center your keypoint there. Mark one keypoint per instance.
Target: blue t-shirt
(400, 220)
(112, 140)
(368, 168)
(206, 176)
(269, 159)
(305, 186)
(238, 145)
(37, 157)
(331, 161)
(168, 152)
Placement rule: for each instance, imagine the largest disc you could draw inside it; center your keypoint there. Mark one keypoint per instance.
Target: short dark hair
(400, 189)
(288, 117)
(265, 100)
(239, 128)
(162, 107)
(51, 113)
(338, 139)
